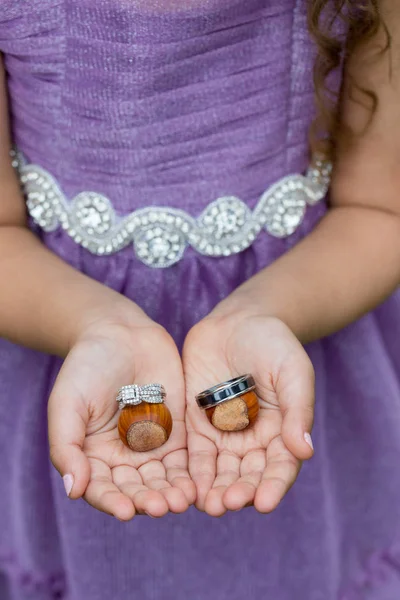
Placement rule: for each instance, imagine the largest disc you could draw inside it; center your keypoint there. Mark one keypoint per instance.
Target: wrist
(108, 309)
(242, 303)
(248, 302)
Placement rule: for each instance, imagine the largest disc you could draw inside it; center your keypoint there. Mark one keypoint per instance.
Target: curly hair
(339, 27)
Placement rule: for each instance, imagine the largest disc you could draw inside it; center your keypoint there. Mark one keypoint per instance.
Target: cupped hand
(84, 442)
(257, 465)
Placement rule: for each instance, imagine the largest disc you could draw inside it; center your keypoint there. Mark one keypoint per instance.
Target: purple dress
(153, 104)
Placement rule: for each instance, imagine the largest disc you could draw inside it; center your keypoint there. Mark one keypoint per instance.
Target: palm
(232, 470)
(110, 476)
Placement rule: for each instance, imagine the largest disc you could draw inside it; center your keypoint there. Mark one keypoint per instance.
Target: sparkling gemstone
(159, 247)
(37, 212)
(292, 219)
(227, 221)
(92, 218)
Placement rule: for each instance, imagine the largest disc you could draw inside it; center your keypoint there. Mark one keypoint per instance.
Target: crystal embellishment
(92, 213)
(161, 235)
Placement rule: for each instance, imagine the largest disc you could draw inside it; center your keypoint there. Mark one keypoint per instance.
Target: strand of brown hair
(338, 28)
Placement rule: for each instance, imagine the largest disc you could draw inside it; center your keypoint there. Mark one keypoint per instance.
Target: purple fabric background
(155, 103)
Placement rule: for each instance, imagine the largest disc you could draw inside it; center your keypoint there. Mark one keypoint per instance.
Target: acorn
(145, 423)
(232, 405)
(236, 414)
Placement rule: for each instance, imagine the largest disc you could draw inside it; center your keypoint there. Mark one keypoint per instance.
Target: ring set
(145, 422)
(152, 393)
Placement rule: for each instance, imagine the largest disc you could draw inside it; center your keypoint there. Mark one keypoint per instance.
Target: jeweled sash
(160, 235)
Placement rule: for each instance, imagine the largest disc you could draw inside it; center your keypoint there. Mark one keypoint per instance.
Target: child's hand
(258, 465)
(83, 416)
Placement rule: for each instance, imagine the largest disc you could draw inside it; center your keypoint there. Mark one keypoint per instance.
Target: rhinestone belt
(160, 235)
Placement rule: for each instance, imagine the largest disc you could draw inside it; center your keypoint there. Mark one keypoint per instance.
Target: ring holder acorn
(145, 422)
(232, 405)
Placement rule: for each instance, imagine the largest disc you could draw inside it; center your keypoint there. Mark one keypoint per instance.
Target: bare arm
(44, 302)
(351, 262)
(107, 341)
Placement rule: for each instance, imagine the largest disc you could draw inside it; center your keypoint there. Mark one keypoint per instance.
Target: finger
(103, 494)
(67, 423)
(178, 476)
(295, 389)
(278, 477)
(242, 492)
(202, 465)
(154, 476)
(228, 471)
(145, 500)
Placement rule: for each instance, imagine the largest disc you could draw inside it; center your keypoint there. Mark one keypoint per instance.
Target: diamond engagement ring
(132, 395)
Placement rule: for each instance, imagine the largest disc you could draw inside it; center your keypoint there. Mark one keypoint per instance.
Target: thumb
(67, 430)
(296, 395)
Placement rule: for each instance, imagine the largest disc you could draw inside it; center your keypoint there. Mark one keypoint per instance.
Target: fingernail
(151, 516)
(68, 483)
(308, 440)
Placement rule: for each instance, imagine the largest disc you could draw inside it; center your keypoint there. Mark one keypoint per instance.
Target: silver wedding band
(223, 392)
(132, 395)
